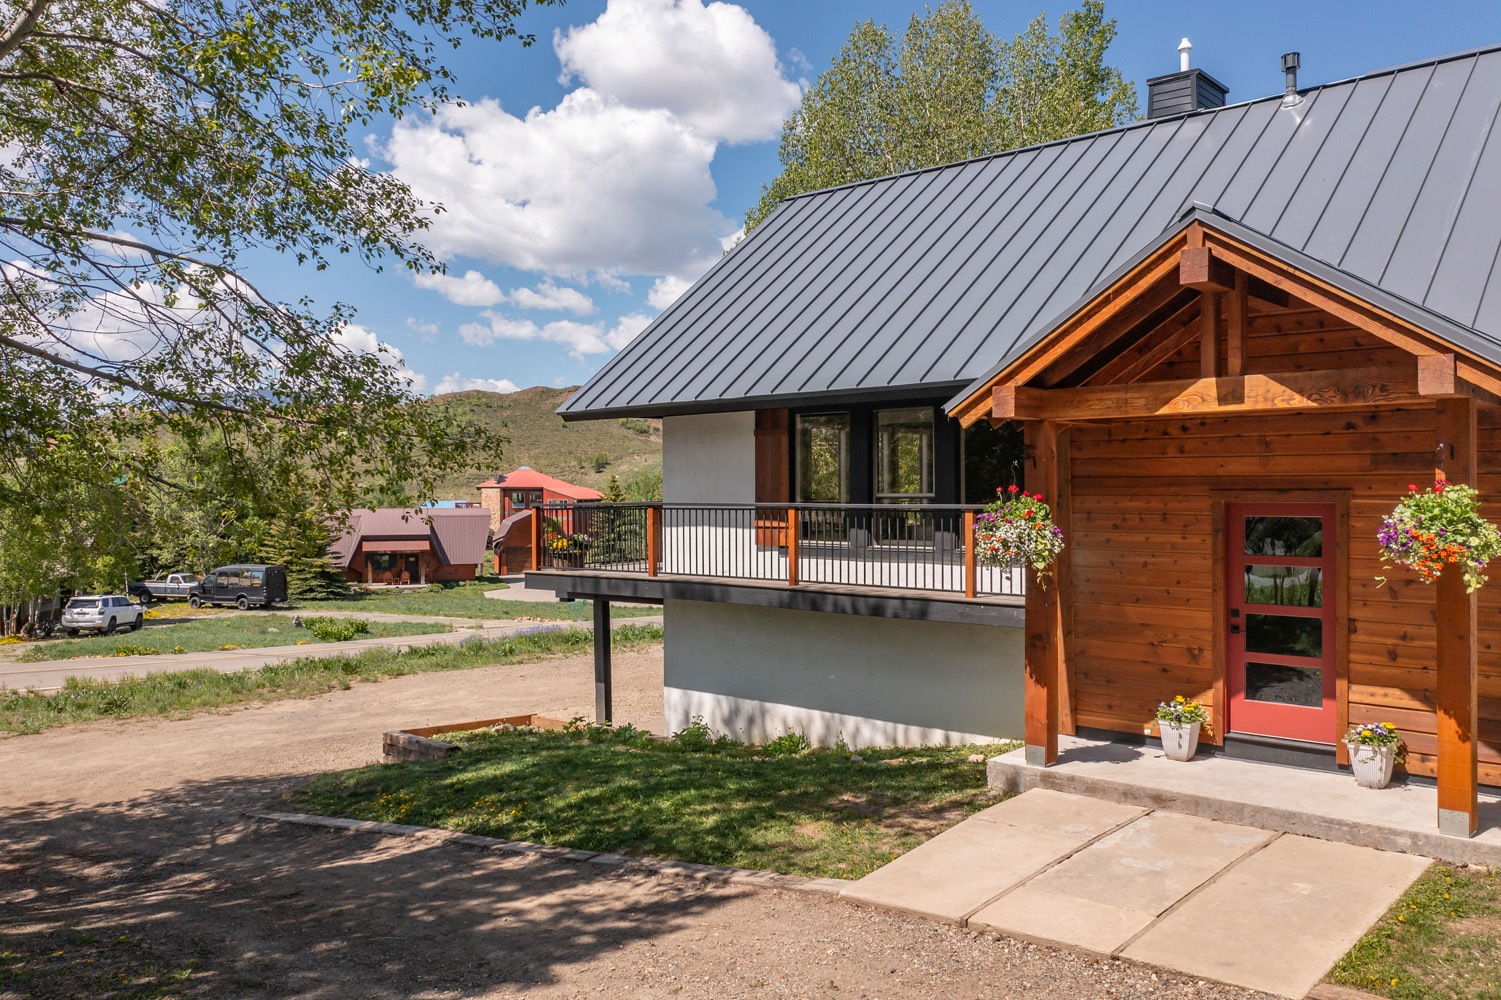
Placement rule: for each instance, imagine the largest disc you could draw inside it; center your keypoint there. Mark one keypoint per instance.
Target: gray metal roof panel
(931, 278)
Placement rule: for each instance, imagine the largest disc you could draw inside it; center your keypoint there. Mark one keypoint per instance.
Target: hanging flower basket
(1437, 527)
(1017, 530)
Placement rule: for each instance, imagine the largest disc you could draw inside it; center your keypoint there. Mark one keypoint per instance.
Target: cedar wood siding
(1144, 624)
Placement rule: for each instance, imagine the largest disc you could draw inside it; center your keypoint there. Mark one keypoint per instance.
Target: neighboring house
(404, 546)
(505, 495)
(1231, 337)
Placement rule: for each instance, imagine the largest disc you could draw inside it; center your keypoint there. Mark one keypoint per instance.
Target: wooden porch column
(1458, 781)
(1044, 612)
(1209, 335)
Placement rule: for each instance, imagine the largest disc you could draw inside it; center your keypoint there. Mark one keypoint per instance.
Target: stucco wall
(709, 458)
(753, 672)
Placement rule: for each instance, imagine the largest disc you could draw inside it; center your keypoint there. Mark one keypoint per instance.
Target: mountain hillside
(585, 452)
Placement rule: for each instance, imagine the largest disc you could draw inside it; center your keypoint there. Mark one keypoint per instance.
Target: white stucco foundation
(754, 672)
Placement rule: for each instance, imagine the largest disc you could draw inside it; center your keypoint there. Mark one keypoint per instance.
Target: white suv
(103, 613)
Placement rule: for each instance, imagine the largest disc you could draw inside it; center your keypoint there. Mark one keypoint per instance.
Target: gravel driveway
(125, 843)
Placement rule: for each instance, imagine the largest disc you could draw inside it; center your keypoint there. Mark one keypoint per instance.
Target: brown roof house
(396, 545)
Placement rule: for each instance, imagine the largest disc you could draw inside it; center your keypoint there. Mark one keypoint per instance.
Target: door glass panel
(1284, 636)
(904, 454)
(1285, 536)
(823, 445)
(1283, 685)
(1294, 586)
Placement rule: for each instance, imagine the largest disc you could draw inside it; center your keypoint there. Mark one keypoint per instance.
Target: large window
(904, 455)
(823, 458)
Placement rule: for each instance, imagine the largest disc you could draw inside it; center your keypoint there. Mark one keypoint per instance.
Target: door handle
(1235, 630)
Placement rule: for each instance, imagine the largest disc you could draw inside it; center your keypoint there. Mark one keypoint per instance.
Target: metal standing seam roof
(926, 281)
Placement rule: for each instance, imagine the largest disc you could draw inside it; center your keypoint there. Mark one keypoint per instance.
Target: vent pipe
(1290, 63)
(1184, 48)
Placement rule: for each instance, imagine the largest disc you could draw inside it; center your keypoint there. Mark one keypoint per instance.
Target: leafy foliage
(1018, 530)
(148, 148)
(950, 90)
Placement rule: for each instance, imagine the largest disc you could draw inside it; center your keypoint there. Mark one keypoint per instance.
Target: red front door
(1280, 647)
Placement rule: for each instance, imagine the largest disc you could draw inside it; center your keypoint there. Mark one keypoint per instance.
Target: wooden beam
(1044, 647)
(1236, 312)
(1444, 375)
(1263, 292)
(1458, 780)
(1199, 268)
(1224, 395)
(1102, 338)
(1136, 361)
(1209, 334)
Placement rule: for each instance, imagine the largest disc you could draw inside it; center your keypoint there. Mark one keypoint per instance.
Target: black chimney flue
(1290, 64)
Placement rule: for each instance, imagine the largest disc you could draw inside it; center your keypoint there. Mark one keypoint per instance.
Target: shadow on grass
(175, 894)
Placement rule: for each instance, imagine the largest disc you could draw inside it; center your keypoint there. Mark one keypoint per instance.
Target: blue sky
(569, 226)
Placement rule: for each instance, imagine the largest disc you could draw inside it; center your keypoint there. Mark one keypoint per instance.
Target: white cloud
(581, 339)
(589, 186)
(666, 291)
(549, 296)
(422, 328)
(462, 383)
(473, 289)
(627, 328)
(712, 66)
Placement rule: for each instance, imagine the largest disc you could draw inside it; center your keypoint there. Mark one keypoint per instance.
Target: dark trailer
(242, 586)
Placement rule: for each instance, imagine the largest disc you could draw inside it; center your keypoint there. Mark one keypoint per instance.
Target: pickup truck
(176, 585)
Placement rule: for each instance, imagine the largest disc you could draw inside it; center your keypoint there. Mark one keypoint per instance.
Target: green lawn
(465, 599)
(242, 631)
(1440, 941)
(815, 813)
(176, 692)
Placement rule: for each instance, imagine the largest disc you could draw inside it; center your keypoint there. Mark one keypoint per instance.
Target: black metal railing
(922, 547)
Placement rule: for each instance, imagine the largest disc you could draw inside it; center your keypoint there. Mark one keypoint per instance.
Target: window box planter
(567, 560)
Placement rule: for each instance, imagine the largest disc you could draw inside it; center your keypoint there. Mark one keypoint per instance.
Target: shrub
(697, 737)
(135, 649)
(789, 744)
(335, 629)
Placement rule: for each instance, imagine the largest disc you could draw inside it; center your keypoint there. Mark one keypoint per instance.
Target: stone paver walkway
(1200, 896)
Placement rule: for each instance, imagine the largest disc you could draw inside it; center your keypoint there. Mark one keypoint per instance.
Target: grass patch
(1440, 941)
(176, 692)
(96, 963)
(465, 599)
(240, 631)
(809, 813)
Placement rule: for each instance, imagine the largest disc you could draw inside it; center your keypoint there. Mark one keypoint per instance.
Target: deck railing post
(653, 538)
(536, 538)
(969, 554)
(792, 546)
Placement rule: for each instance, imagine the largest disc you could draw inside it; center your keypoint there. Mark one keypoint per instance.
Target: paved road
(50, 675)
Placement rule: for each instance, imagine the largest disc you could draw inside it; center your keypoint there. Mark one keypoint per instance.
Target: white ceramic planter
(1372, 765)
(1179, 742)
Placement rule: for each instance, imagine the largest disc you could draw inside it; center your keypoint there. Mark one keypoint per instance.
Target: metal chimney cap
(1290, 62)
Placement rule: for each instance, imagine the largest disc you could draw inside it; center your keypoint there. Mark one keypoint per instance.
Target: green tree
(148, 149)
(300, 543)
(948, 90)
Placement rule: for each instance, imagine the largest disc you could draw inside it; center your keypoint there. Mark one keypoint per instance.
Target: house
(505, 495)
(1228, 336)
(405, 546)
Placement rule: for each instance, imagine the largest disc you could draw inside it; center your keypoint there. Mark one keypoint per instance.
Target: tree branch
(15, 32)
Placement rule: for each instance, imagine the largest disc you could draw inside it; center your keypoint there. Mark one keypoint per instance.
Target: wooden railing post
(970, 562)
(653, 538)
(536, 538)
(792, 546)
(1458, 785)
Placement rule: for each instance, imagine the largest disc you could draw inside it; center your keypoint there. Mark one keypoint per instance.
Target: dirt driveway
(127, 870)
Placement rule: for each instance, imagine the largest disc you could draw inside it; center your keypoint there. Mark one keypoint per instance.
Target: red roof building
(405, 546)
(524, 489)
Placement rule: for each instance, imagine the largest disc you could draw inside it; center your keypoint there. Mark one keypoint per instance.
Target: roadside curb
(830, 887)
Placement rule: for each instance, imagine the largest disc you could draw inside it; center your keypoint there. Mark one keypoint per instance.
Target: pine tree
(300, 543)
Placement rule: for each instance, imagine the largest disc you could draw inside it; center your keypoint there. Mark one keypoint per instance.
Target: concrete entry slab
(1304, 901)
(966, 866)
(1037, 915)
(1151, 864)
